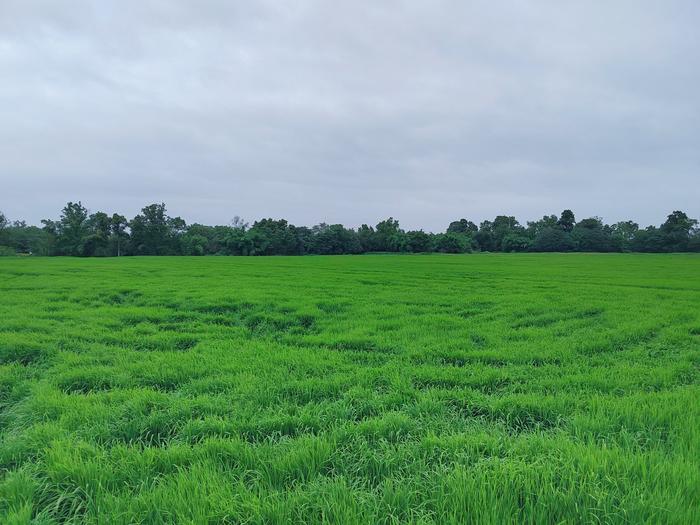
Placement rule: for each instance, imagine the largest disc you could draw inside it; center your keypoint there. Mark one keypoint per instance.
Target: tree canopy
(78, 232)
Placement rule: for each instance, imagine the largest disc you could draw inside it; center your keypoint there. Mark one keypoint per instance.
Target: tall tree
(505, 225)
(3, 225)
(591, 235)
(389, 236)
(623, 234)
(534, 228)
(72, 229)
(567, 221)
(485, 237)
(677, 231)
(553, 240)
(451, 242)
(153, 232)
(118, 233)
(50, 229)
(516, 242)
(650, 239)
(273, 237)
(97, 241)
(333, 239)
(367, 237)
(463, 226)
(419, 241)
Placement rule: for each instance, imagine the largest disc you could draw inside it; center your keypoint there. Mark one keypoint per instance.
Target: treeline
(153, 232)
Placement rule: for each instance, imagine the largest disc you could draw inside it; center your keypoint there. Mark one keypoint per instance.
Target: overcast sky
(351, 111)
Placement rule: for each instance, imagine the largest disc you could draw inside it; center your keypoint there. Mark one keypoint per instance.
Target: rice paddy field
(489, 388)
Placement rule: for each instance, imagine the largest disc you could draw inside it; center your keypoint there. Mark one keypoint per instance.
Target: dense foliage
(481, 389)
(154, 232)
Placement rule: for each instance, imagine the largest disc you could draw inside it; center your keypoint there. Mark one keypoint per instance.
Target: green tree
(463, 226)
(504, 226)
(452, 243)
(3, 225)
(485, 237)
(591, 235)
(367, 238)
(153, 232)
(677, 231)
(694, 242)
(232, 239)
(650, 239)
(333, 239)
(553, 240)
(50, 229)
(389, 236)
(418, 241)
(18, 237)
(567, 221)
(516, 242)
(235, 241)
(118, 234)
(623, 234)
(72, 230)
(194, 244)
(273, 237)
(97, 242)
(534, 228)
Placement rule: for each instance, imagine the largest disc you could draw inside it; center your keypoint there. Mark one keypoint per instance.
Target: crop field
(489, 388)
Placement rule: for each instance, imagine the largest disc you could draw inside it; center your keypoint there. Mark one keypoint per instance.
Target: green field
(370, 389)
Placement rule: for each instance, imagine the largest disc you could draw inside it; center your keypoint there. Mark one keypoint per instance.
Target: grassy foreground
(374, 389)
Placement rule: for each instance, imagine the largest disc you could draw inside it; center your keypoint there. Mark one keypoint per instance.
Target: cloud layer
(351, 111)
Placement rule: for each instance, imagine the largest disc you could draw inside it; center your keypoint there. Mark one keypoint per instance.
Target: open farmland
(371, 389)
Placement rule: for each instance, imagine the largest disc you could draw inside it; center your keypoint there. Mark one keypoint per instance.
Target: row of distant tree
(153, 232)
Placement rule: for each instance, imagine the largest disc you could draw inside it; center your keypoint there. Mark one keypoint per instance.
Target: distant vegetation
(154, 232)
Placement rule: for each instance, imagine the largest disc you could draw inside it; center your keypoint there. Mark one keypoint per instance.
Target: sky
(351, 111)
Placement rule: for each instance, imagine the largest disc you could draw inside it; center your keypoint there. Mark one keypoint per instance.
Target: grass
(376, 389)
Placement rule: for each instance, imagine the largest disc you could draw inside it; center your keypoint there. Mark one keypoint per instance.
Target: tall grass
(375, 389)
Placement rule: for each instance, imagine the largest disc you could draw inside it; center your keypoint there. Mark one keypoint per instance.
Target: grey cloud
(351, 111)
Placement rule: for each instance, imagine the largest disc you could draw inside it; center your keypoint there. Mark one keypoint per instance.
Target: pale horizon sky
(350, 112)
